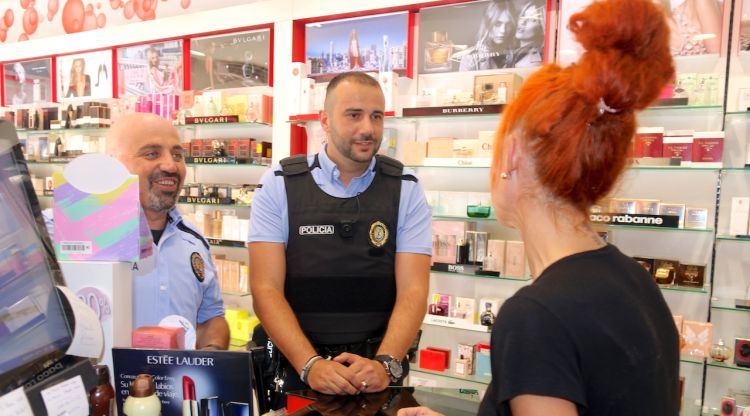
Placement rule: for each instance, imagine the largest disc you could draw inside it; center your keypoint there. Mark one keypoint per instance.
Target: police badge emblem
(378, 234)
(199, 267)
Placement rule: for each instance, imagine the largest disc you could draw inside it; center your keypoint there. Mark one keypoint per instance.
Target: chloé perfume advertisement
(154, 68)
(28, 82)
(692, 33)
(185, 382)
(86, 75)
(482, 35)
(372, 43)
(236, 60)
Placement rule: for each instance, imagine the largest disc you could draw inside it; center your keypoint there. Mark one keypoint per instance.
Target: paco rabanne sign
(643, 220)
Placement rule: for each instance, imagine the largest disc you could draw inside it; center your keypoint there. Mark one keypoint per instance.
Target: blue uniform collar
(331, 171)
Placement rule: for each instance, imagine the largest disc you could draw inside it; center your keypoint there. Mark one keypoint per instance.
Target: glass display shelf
(696, 108)
(740, 168)
(472, 166)
(689, 359)
(733, 238)
(86, 130)
(193, 164)
(682, 289)
(456, 323)
(648, 228)
(215, 205)
(242, 124)
(728, 366)
(672, 168)
(482, 276)
(449, 374)
(39, 162)
(240, 294)
(462, 218)
(218, 242)
(727, 305)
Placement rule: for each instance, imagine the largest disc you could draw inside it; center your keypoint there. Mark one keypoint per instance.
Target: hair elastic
(604, 107)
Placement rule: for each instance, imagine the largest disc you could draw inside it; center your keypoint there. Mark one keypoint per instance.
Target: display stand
(107, 287)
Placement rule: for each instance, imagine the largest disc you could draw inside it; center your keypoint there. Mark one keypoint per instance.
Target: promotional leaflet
(213, 382)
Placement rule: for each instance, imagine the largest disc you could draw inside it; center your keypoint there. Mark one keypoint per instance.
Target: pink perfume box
(515, 259)
(448, 234)
(708, 149)
(698, 336)
(649, 142)
(159, 337)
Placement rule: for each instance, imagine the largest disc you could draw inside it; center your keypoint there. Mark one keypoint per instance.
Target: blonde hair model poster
(695, 27)
(28, 82)
(482, 35)
(86, 75)
(154, 68)
(371, 43)
(234, 60)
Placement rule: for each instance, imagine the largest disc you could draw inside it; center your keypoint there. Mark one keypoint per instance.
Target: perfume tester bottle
(487, 318)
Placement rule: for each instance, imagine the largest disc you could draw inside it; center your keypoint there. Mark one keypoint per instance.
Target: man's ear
(324, 120)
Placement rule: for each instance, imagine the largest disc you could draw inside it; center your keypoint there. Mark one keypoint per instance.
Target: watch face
(395, 369)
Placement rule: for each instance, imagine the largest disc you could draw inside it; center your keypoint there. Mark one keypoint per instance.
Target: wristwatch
(392, 367)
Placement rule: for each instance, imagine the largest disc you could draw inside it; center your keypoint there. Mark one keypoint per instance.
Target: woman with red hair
(592, 335)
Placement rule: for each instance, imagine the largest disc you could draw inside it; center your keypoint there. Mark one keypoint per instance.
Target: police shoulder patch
(198, 265)
(378, 234)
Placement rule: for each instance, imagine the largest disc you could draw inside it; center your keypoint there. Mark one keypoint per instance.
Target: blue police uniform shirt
(269, 221)
(168, 283)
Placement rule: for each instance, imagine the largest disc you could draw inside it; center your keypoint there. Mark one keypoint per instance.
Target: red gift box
(436, 359)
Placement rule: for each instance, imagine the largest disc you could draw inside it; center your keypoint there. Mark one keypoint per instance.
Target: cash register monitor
(34, 328)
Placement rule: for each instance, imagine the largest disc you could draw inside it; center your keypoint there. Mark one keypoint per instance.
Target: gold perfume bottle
(438, 50)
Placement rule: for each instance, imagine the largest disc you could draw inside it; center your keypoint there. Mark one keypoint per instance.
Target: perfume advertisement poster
(28, 82)
(154, 68)
(482, 35)
(213, 382)
(689, 34)
(744, 27)
(236, 60)
(373, 43)
(86, 75)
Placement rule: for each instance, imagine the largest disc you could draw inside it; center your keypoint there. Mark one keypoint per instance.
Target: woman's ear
(513, 152)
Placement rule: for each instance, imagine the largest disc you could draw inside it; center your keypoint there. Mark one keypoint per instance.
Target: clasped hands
(348, 374)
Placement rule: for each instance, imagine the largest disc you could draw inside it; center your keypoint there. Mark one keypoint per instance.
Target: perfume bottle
(462, 251)
(142, 401)
(102, 397)
(719, 351)
(489, 263)
(438, 50)
(36, 91)
(487, 318)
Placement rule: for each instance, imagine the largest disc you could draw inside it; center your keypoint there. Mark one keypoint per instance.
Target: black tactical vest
(340, 257)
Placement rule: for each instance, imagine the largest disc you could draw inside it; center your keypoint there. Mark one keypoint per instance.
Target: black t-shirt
(593, 329)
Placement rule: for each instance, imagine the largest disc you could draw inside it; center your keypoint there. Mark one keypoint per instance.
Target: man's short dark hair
(353, 76)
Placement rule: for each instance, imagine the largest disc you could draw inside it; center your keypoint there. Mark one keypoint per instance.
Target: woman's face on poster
(529, 23)
(78, 66)
(501, 28)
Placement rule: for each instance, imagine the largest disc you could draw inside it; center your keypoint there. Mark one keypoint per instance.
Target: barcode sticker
(75, 247)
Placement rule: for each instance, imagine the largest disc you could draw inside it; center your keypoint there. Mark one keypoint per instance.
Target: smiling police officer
(180, 277)
(340, 246)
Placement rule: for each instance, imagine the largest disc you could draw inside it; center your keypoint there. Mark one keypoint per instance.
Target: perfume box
(164, 338)
(496, 249)
(691, 275)
(515, 259)
(483, 366)
(477, 241)
(484, 143)
(665, 271)
(696, 218)
(440, 147)
(649, 142)
(647, 206)
(465, 309)
(739, 216)
(496, 88)
(466, 352)
(698, 336)
(708, 149)
(436, 359)
(464, 148)
(677, 210)
(307, 97)
(414, 153)
(439, 305)
(453, 204)
(389, 84)
(622, 206)
(297, 74)
(679, 146)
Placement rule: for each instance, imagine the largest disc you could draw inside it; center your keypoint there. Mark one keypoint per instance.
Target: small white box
(389, 84)
(738, 218)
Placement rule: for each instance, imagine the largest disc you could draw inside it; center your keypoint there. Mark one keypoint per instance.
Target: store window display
(179, 278)
(340, 246)
(592, 334)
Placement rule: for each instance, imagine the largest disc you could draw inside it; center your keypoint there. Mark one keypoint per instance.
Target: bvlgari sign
(212, 119)
(642, 220)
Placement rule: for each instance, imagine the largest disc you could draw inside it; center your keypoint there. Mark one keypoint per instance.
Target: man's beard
(159, 201)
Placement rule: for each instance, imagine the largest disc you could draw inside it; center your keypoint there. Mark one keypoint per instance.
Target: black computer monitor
(34, 325)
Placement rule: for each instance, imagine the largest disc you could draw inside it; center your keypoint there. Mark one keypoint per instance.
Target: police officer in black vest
(340, 246)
